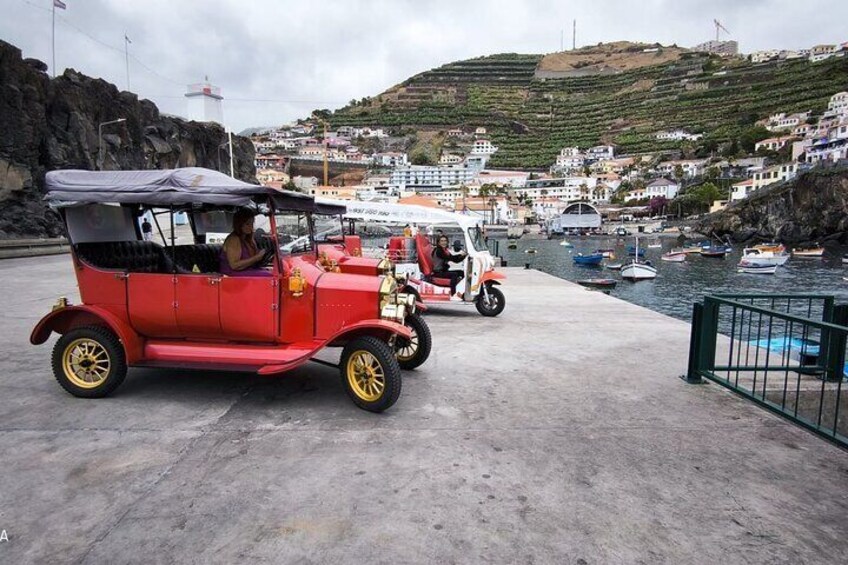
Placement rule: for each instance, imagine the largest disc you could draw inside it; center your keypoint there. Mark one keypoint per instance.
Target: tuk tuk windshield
(477, 238)
(293, 233)
(328, 229)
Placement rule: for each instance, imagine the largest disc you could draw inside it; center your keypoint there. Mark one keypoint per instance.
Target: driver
(442, 255)
(240, 257)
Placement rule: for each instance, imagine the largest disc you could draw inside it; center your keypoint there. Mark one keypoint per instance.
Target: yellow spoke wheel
(370, 373)
(89, 362)
(86, 363)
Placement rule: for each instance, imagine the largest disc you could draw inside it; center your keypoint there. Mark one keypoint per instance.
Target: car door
(197, 306)
(249, 308)
(150, 304)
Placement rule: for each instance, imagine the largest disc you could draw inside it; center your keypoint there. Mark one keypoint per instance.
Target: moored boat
(718, 253)
(637, 270)
(635, 251)
(765, 257)
(565, 243)
(598, 283)
(592, 259)
(809, 253)
(607, 253)
(674, 256)
(753, 267)
(771, 246)
(614, 266)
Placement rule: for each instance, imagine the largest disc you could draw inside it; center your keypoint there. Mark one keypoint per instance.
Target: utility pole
(230, 141)
(326, 165)
(574, 35)
(561, 39)
(62, 6)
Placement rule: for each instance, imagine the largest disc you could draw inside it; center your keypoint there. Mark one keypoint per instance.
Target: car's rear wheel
(493, 304)
(412, 352)
(370, 373)
(89, 362)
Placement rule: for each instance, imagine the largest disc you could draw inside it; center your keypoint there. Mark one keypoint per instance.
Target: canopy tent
(401, 213)
(171, 187)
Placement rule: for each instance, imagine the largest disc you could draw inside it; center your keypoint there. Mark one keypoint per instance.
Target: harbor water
(678, 285)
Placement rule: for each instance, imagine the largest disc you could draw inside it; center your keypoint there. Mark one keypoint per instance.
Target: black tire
(97, 354)
(495, 304)
(371, 393)
(412, 353)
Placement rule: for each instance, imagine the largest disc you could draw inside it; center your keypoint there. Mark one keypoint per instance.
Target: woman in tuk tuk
(442, 255)
(240, 256)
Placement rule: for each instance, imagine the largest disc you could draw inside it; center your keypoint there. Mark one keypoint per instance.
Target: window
(293, 233)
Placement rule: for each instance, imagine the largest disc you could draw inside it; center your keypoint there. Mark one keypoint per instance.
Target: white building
(773, 143)
(779, 122)
(678, 135)
(390, 159)
(483, 147)
(822, 52)
(838, 104)
(691, 167)
(205, 103)
(741, 189)
(763, 56)
(426, 176)
(600, 152)
(570, 158)
(662, 187)
(771, 175)
(450, 159)
(567, 188)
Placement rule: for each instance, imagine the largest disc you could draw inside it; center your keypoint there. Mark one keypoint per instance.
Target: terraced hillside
(531, 116)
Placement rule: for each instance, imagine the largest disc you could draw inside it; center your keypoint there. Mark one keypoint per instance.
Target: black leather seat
(206, 257)
(129, 256)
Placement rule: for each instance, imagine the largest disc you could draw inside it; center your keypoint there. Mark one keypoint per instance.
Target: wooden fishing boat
(593, 259)
(674, 256)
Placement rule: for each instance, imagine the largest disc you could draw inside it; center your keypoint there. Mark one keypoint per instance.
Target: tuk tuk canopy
(164, 188)
(401, 213)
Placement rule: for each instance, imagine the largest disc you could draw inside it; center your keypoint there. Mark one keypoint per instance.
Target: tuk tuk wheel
(490, 305)
(370, 373)
(412, 352)
(89, 362)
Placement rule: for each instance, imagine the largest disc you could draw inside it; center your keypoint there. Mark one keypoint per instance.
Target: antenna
(718, 27)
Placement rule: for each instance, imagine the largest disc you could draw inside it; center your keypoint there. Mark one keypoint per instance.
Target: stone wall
(48, 124)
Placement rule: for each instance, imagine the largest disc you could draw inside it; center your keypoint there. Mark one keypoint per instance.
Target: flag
(59, 4)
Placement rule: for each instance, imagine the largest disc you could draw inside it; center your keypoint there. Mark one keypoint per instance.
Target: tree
(420, 157)
(749, 138)
(712, 173)
(678, 173)
(657, 204)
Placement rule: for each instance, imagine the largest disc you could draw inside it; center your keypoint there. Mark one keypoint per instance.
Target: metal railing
(785, 352)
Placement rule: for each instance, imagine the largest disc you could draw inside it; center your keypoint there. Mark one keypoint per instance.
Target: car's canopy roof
(170, 187)
(402, 214)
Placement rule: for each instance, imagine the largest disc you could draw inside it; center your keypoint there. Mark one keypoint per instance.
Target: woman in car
(442, 255)
(240, 257)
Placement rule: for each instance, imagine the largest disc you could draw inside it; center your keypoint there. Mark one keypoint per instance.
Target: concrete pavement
(555, 433)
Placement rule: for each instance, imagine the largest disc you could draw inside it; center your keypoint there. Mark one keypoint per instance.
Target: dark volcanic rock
(812, 207)
(53, 124)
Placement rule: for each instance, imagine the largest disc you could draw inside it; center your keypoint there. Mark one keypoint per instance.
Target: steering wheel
(267, 259)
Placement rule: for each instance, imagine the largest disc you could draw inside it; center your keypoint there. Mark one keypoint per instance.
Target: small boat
(765, 257)
(593, 259)
(607, 253)
(845, 259)
(530, 250)
(715, 253)
(655, 245)
(771, 246)
(634, 251)
(752, 267)
(598, 283)
(564, 243)
(637, 270)
(614, 266)
(674, 256)
(811, 253)
(692, 249)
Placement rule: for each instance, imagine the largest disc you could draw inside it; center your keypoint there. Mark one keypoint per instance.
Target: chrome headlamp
(386, 267)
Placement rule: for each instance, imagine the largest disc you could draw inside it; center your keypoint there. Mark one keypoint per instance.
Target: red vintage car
(152, 304)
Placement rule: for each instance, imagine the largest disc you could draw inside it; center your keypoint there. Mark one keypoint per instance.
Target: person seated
(240, 256)
(442, 256)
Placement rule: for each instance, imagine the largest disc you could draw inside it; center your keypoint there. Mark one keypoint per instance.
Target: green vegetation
(531, 119)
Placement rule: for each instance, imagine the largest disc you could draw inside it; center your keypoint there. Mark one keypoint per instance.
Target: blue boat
(593, 259)
(631, 251)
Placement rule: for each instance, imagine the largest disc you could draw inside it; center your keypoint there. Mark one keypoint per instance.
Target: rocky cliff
(812, 207)
(48, 124)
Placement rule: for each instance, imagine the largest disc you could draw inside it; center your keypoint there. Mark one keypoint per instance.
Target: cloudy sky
(277, 60)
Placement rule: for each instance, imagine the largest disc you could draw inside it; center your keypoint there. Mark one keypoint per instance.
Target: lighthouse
(204, 103)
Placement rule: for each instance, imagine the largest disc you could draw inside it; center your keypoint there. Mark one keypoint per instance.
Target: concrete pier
(555, 433)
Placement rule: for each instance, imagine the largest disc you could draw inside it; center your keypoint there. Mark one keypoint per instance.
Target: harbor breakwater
(48, 124)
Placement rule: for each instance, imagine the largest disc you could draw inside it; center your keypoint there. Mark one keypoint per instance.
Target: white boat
(753, 267)
(655, 245)
(813, 253)
(614, 266)
(637, 270)
(674, 256)
(564, 243)
(765, 257)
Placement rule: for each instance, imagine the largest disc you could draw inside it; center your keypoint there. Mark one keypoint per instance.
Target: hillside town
(661, 183)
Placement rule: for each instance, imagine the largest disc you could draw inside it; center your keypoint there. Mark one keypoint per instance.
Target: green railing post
(709, 335)
(834, 344)
(692, 375)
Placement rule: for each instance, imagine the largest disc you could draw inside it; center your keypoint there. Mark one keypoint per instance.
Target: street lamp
(100, 140)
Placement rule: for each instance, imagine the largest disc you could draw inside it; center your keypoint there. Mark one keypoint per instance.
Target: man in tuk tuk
(442, 256)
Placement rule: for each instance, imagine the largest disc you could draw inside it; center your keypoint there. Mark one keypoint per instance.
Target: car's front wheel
(370, 373)
(412, 352)
(89, 362)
